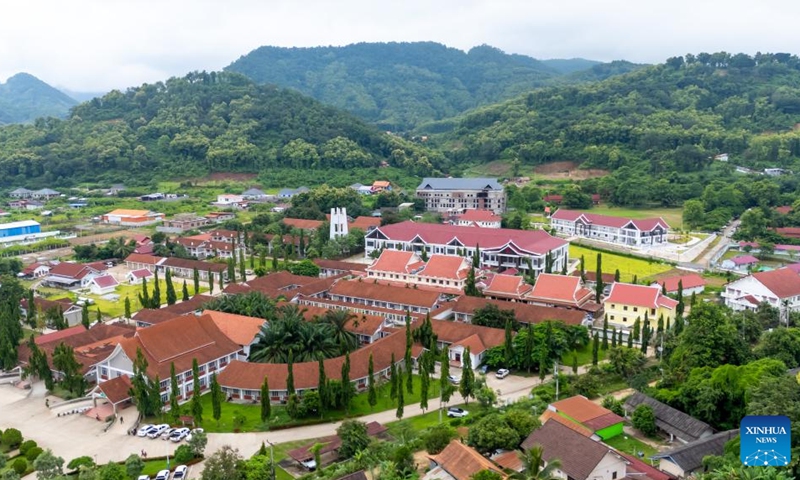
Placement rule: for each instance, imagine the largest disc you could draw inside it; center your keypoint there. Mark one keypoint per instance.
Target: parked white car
(456, 412)
(158, 430)
(502, 373)
(163, 475)
(194, 430)
(179, 473)
(179, 434)
(454, 380)
(166, 433)
(144, 430)
(143, 477)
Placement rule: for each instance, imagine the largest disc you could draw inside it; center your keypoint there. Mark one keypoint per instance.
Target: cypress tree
(127, 308)
(613, 337)
(210, 282)
(564, 267)
(445, 373)
(185, 292)
(575, 363)
(266, 404)
(347, 389)
(155, 299)
(424, 384)
(583, 270)
(222, 281)
(144, 297)
(85, 316)
(197, 407)
(635, 279)
(630, 339)
(598, 290)
(693, 299)
(637, 326)
(400, 403)
(407, 360)
(393, 379)
(660, 325)
(619, 337)
(667, 327)
(98, 315)
(470, 289)
(262, 259)
(605, 332)
(274, 260)
(290, 376)
(595, 349)
(322, 387)
(372, 394)
(467, 386)
(30, 312)
(509, 345)
(301, 247)
(616, 275)
(174, 408)
(242, 272)
(663, 288)
(232, 268)
(216, 398)
(172, 297)
(196, 280)
(645, 338)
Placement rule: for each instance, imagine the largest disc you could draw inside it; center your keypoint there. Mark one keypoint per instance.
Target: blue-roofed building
(14, 229)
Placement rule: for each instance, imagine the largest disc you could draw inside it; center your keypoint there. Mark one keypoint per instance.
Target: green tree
(394, 380)
(605, 332)
(534, 466)
(174, 408)
(127, 308)
(644, 419)
(197, 405)
(112, 471)
(595, 349)
(437, 438)
(210, 282)
(486, 475)
(198, 443)
(354, 438)
(216, 398)
(372, 395)
(509, 343)
(185, 292)
(85, 321)
(400, 403)
(693, 213)
(425, 381)
(266, 404)
(196, 280)
(48, 466)
(322, 387)
(598, 289)
(134, 465)
(155, 298)
(64, 361)
(445, 388)
(242, 269)
(470, 289)
(467, 385)
(347, 387)
(224, 464)
(491, 433)
(172, 297)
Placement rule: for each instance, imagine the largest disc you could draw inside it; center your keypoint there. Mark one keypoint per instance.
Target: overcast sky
(97, 45)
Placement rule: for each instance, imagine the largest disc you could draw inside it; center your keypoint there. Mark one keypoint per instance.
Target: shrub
(76, 463)
(33, 453)
(455, 422)
(183, 454)
(27, 445)
(644, 419)
(437, 437)
(12, 438)
(20, 465)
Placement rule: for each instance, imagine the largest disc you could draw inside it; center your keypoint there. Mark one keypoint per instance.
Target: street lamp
(271, 458)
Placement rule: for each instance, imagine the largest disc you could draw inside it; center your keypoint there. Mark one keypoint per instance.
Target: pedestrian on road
(121, 420)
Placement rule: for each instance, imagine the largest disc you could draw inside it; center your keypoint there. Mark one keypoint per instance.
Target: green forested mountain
(400, 85)
(24, 98)
(193, 125)
(664, 122)
(570, 65)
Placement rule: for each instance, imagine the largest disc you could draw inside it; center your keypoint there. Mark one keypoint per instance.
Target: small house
(135, 277)
(103, 285)
(742, 263)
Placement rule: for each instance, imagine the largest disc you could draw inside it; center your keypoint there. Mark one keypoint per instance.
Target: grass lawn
(252, 411)
(673, 216)
(585, 354)
(152, 467)
(628, 267)
(421, 422)
(626, 443)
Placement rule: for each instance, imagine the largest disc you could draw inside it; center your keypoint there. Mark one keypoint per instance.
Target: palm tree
(338, 321)
(289, 334)
(534, 466)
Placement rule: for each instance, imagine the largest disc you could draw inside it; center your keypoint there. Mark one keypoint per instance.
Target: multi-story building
(780, 288)
(618, 230)
(183, 222)
(407, 267)
(132, 218)
(385, 296)
(627, 302)
(456, 195)
(524, 250)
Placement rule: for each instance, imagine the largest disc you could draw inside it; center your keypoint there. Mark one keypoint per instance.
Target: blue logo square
(765, 441)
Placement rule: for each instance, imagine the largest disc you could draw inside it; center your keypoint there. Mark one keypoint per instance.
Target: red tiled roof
(381, 183)
(646, 471)
(462, 462)
(239, 328)
(58, 335)
(784, 210)
(144, 259)
(687, 281)
(117, 389)
(141, 273)
(744, 260)
(508, 285)
(559, 289)
(473, 342)
(479, 216)
(364, 223)
(105, 281)
(783, 282)
(523, 312)
(396, 261)
(90, 346)
(159, 315)
(187, 263)
(639, 295)
(360, 323)
(791, 232)
(70, 270)
(456, 332)
(339, 265)
(146, 249)
(549, 415)
(510, 461)
(190, 242)
(795, 267)
(384, 293)
(645, 224)
(32, 268)
(179, 340)
(302, 223)
(533, 241)
(579, 455)
(444, 266)
(583, 410)
(250, 376)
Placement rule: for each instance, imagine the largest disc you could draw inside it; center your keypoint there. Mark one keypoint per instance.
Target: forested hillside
(401, 85)
(24, 98)
(194, 125)
(664, 122)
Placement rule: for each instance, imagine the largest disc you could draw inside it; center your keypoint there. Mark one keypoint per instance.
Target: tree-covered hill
(194, 125)
(24, 98)
(401, 85)
(663, 122)
(570, 65)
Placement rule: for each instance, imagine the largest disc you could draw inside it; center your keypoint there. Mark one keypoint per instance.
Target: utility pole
(272, 459)
(555, 374)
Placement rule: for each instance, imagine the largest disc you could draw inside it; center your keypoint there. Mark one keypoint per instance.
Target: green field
(673, 216)
(626, 443)
(628, 267)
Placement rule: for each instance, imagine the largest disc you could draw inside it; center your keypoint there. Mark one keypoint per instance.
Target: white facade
(610, 467)
(338, 222)
(736, 293)
(228, 199)
(633, 233)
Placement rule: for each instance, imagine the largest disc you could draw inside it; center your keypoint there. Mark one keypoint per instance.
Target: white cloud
(104, 44)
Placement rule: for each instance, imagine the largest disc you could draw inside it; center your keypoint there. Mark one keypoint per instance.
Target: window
(625, 307)
(653, 312)
(612, 317)
(635, 309)
(625, 319)
(613, 475)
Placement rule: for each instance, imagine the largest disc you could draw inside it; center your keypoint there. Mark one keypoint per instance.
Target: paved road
(727, 233)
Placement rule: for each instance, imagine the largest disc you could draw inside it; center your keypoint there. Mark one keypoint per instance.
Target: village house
(601, 421)
(464, 309)
(671, 421)
(687, 459)
(71, 312)
(617, 230)
(627, 302)
(220, 217)
(254, 194)
(460, 336)
(132, 218)
(35, 270)
(103, 285)
(138, 261)
(183, 222)
(227, 236)
(302, 224)
(135, 277)
(524, 250)
(179, 267)
(741, 263)
(384, 296)
(229, 200)
(780, 288)
(243, 380)
(458, 462)
(71, 275)
(291, 192)
(20, 193)
(581, 458)
(178, 341)
(305, 456)
(690, 284)
(478, 218)
(460, 194)
(379, 186)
